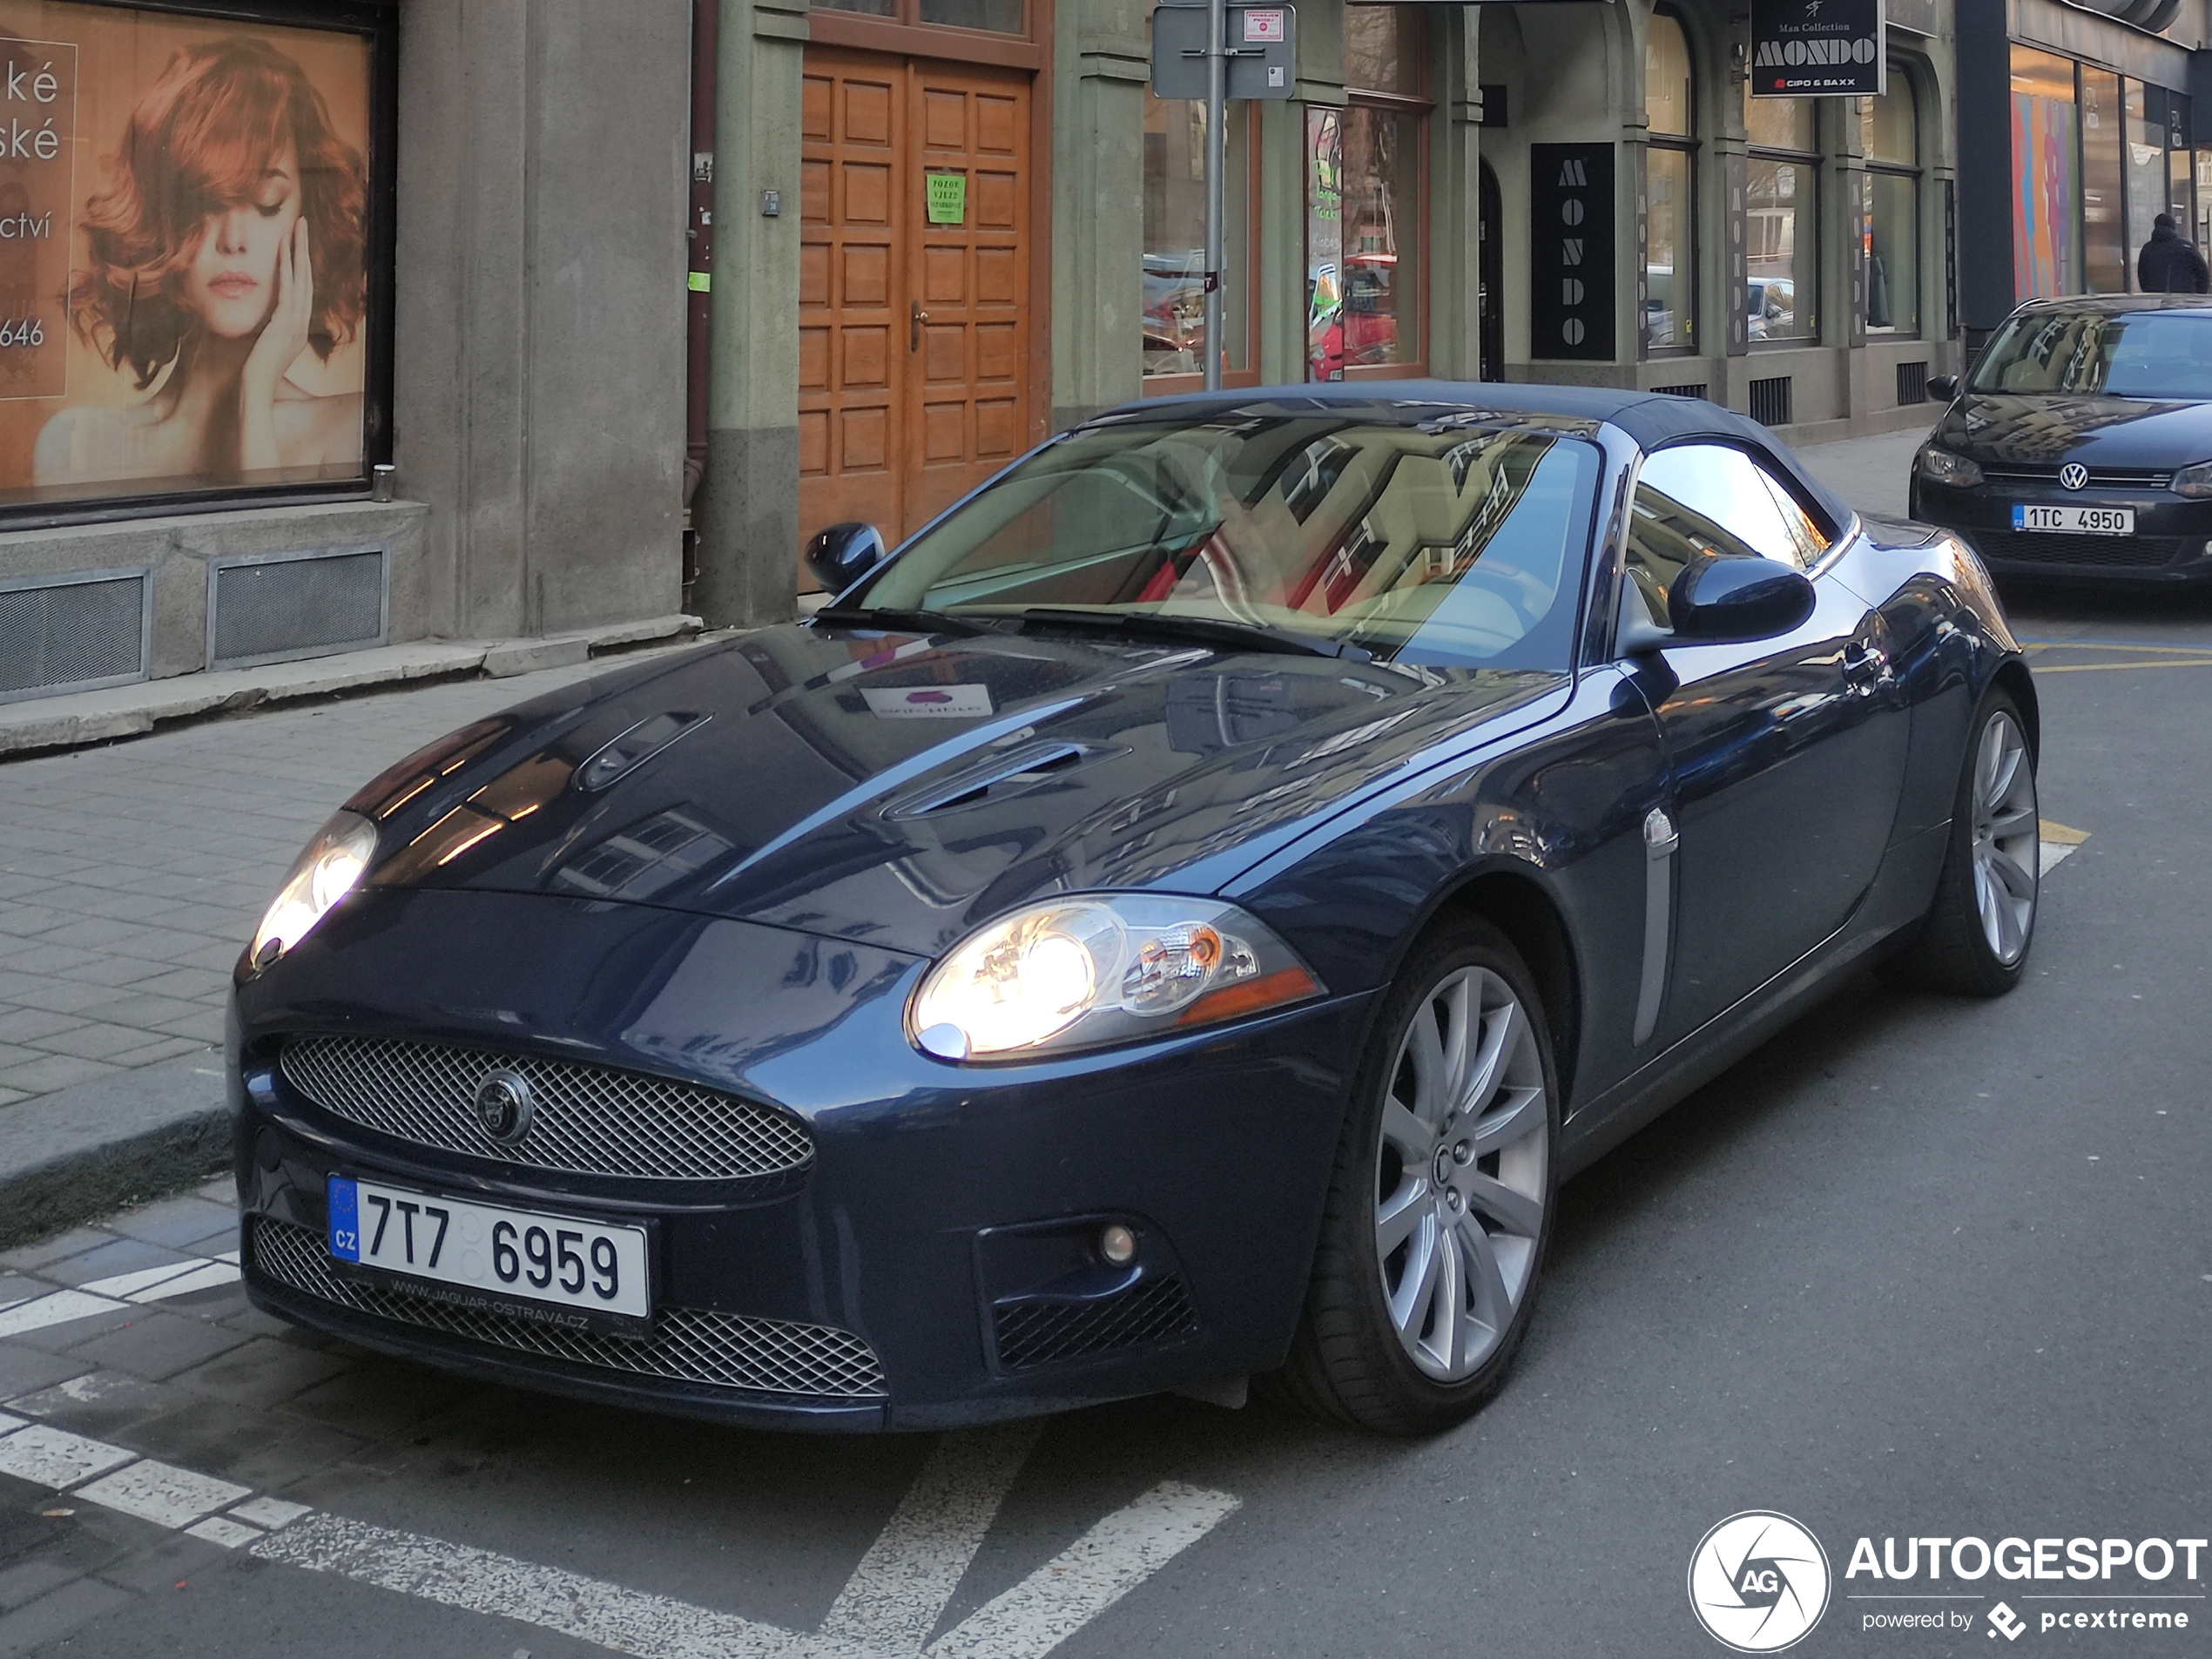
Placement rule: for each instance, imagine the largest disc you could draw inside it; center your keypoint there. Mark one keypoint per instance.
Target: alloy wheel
(2005, 839)
(1461, 1171)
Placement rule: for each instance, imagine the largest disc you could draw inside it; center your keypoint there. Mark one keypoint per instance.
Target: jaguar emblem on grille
(504, 1105)
(2074, 475)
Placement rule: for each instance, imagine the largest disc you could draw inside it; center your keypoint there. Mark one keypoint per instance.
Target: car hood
(2098, 431)
(897, 789)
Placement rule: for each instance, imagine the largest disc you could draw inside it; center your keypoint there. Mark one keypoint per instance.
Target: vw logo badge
(503, 1106)
(2074, 475)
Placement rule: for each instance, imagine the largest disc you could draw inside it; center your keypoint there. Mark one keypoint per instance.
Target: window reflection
(1175, 237)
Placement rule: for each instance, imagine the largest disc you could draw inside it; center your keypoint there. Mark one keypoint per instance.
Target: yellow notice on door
(947, 198)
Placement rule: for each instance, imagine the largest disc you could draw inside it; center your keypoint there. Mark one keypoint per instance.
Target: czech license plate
(559, 1270)
(2078, 521)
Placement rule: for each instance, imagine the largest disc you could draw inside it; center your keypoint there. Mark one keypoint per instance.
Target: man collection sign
(1818, 48)
(1572, 209)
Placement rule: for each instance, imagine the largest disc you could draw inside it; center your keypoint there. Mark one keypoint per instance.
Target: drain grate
(72, 633)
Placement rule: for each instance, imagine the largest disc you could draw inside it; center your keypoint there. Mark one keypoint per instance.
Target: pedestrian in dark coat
(2168, 265)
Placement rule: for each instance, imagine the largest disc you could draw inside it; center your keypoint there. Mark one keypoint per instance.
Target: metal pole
(1217, 111)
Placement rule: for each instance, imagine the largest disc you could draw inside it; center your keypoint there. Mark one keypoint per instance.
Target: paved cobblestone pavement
(131, 875)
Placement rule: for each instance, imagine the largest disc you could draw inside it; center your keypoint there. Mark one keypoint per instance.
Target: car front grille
(720, 1350)
(2131, 552)
(2099, 477)
(1043, 1332)
(586, 1119)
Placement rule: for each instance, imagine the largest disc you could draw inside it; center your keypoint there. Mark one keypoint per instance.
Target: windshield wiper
(891, 617)
(1206, 630)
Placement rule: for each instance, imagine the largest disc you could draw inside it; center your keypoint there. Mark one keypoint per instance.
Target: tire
(1423, 1288)
(1976, 938)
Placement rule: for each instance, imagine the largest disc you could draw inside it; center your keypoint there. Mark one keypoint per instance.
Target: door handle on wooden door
(914, 320)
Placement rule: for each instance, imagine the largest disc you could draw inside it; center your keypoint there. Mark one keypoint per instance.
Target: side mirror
(1716, 601)
(1943, 386)
(843, 554)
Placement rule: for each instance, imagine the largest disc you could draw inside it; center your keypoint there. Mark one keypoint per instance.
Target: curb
(72, 721)
(88, 1151)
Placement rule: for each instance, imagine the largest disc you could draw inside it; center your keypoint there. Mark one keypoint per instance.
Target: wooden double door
(915, 326)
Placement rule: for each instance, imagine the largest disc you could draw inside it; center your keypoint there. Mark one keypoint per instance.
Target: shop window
(2146, 163)
(2105, 253)
(2046, 223)
(1366, 199)
(1175, 245)
(1781, 218)
(1671, 213)
(1890, 137)
(190, 304)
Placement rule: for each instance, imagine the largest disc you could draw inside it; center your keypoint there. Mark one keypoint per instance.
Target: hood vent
(1005, 773)
(634, 748)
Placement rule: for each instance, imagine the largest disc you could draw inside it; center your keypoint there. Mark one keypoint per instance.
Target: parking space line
(899, 1590)
(57, 1309)
(2055, 843)
(1114, 1557)
(630, 1622)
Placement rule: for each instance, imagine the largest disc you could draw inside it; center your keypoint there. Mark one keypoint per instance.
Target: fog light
(1117, 1245)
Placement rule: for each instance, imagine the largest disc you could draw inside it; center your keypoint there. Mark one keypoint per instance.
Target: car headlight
(330, 868)
(1083, 973)
(1941, 466)
(2194, 480)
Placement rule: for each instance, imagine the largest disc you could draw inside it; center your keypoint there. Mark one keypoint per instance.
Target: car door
(1788, 754)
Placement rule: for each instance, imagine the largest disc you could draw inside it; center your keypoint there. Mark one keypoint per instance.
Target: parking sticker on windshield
(928, 702)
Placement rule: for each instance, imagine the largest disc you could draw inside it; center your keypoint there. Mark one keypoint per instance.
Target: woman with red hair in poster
(229, 240)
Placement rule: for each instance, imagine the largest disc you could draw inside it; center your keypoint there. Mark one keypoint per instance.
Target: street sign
(1818, 48)
(1260, 44)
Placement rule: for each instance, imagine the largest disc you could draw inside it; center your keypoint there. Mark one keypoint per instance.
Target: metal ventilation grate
(721, 1349)
(1769, 401)
(1911, 383)
(1045, 1332)
(72, 633)
(589, 1119)
(264, 608)
(1692, 388)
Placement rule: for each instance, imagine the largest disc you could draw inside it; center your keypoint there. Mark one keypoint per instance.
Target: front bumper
(2172, 543)
(930, 1266)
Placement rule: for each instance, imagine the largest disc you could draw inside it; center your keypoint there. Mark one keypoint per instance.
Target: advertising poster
(183, 239)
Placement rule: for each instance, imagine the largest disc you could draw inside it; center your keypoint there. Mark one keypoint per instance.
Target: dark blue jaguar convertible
(1175, 921)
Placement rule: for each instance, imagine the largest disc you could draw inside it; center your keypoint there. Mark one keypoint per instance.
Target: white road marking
(2053, 854)
(8, 1424)
(1107, 1562)
(130, 1285)
(163, 1494)
(589, 1609)
(898, 1592)
(229, 1533)
(59, 1308)
(53, 1457)
(269, 1512)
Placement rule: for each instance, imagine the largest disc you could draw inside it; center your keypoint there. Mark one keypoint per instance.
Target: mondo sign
(1570, 250)
(1818, 48)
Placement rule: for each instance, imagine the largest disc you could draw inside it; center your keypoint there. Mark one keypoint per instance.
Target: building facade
(1406, 212)
(252, 254)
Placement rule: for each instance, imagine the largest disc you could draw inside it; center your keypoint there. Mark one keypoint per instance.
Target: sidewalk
(132, 874)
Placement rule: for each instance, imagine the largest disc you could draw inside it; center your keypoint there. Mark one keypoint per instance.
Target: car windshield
(1444, 542)
(2138, 354)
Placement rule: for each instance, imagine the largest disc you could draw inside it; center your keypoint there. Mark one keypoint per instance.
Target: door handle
(1866, 667)
(914, 320)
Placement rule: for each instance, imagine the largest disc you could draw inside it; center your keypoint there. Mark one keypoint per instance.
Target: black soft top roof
(1650, 418)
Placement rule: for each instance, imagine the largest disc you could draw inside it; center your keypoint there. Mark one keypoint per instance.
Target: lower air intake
(1147, 1314)
(718, 1350)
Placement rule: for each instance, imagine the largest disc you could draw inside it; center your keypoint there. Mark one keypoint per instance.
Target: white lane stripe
(53, 1457)
(8, 1425)
(1119, 1552)
(206, 1277)
(129, 1284)
(898, 1592)
(59, 1308)
(162, 1493)
(229, 1533)
(628, 1620)
(2055, 853)
(272, 1513)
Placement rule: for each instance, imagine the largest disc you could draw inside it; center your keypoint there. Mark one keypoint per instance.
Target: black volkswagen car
(1177, 918)
(2081, 444)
